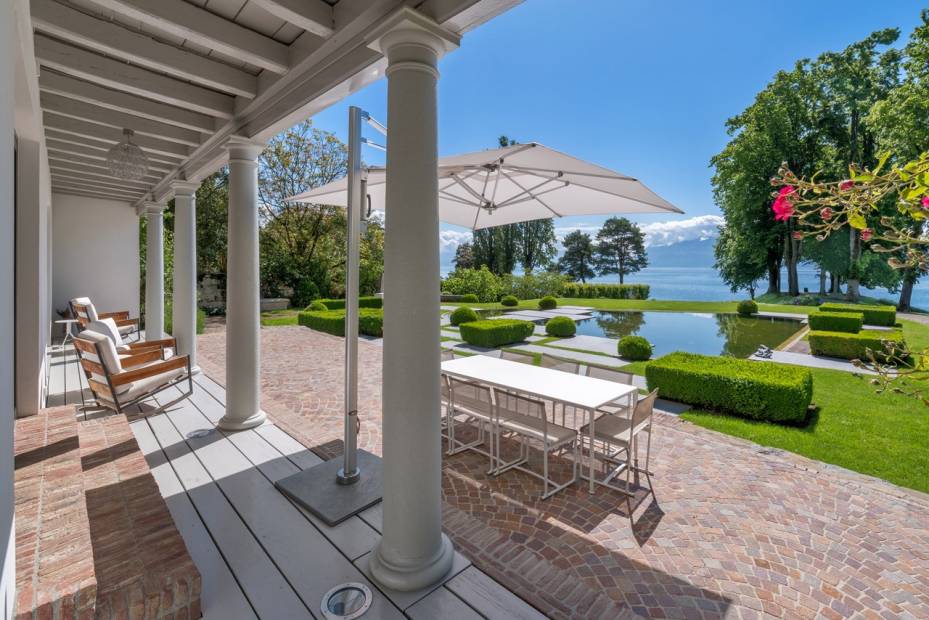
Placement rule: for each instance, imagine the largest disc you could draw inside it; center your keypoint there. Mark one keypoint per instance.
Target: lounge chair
(619, 437)
(85, 312)
(120, 382)
(108, 327)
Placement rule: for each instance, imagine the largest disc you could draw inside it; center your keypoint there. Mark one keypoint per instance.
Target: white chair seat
(537, 429)
(126, 329)
(150, 384)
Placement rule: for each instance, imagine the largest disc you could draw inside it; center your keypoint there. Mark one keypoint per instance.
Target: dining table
(587, 394)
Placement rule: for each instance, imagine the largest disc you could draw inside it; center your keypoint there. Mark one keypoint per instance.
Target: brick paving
(737, 531)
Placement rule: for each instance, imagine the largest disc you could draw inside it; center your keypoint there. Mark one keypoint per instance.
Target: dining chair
(513, 356)
(556, 363)
(620, 437)
(525, 417)
(616, 376)
(475, 403)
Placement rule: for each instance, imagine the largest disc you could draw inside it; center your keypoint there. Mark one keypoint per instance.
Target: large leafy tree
(620, 248)
(464, 256)
(536, 244)
(739, 264)
(579, 258)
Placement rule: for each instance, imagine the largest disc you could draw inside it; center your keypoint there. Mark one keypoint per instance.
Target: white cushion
(91, 310)
(125, 329)
(143, 386)
(108, 328)
(110, 357)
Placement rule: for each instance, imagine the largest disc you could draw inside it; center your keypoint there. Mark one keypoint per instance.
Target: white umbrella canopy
(514, 184)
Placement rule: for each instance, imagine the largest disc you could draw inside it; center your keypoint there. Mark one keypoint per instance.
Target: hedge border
(882, 316)
(492, 333)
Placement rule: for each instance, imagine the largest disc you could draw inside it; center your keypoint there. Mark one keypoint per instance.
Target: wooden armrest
(124, 322)
(142, 357)
(128, 376)
(116, 316)
(144, 344)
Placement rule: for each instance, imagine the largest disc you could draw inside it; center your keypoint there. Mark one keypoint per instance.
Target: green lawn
(276, 318)
(658, 305)
(883, 435)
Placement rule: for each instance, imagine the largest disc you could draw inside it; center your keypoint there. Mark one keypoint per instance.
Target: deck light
(346, 601)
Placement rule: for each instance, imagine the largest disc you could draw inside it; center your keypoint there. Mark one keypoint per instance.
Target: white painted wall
(96, 253)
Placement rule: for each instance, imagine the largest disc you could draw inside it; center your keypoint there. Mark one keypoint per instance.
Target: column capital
(406, 26)
(150, 207)
(184, 188)
(243, 149)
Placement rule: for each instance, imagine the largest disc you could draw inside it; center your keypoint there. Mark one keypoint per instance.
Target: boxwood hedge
(885, 316)
(610, 291)
(853, 346)
(634, 348)
(560, 326)
(462, 314)
(363, 302)
(757, 390)
(849, 322)
(495, 332)
(370, 321)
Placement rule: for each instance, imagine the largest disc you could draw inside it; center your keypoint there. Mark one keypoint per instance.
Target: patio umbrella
(514, 184)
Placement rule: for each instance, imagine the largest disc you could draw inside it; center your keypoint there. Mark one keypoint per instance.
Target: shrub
(757, 390)
(560, 326)
(496, 332)
(470, 298)
(885, 316)
(806, 300)
(634, 348)
(304, 292)
(548, 303)
(363, 302)
(317, 306)
(509, 301)
(853, 346)
(747, 307)
(481, 282)
(610, 291)
(849, 322)
(533, 285)
(370, 321)
(169, 319)
(463, 314)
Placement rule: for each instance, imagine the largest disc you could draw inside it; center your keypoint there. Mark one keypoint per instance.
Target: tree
(464, 256)
(578, 260)
(620, 248)
(536, 244)
(739, 264)
(212, 223)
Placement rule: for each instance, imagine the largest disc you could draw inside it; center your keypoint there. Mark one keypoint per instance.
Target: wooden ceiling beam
(314, 16)
(110, 134)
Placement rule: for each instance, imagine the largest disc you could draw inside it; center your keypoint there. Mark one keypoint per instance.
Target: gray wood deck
(260, 555)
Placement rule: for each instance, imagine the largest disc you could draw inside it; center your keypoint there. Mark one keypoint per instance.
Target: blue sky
(640, 86)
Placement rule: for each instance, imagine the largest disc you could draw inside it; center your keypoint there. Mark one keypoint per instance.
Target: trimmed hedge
(470, 298)
(495, 332)
(885, 316)
(560, 326)
(756, 390)
(509, 301)
(634, 348)
(747, 307)
(317, 306)
(548, 303)
(852, 346)
(610, 291)
(848, 322)
(363, 302)
(461, 315)
(370, 321)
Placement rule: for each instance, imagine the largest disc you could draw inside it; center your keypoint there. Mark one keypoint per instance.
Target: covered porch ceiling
(184, 75)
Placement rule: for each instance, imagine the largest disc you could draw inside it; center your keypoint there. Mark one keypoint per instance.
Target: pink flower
(925, 202)
(866, 234)
(797, 235)
(846, 185)
(783, 208)
(826, 213)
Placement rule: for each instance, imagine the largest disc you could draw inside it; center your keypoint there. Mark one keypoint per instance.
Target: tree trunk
(854, 253)
(774, 273)
(906, 292)
(791, 258)
(836, 284)
(620, 277)
(822, 282)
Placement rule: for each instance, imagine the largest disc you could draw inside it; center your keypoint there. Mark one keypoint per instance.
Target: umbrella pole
(333, 501)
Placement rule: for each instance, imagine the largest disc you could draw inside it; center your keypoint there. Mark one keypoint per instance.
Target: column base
(232, 424)
(195, 370)
(407, 578)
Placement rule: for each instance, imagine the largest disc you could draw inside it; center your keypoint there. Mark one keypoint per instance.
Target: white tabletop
(565, 387)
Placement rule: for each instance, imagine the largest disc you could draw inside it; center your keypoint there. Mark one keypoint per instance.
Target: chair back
(642, 414)
(468, 396)
(108, 328)
(511, 403)
(447, 355)
(555, 363)
(512, 356)
(608, 374)
(83, 310)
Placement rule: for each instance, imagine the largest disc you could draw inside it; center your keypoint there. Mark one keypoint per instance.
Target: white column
(184, 317)
(413, 553)
(243, 340)
(154, 271)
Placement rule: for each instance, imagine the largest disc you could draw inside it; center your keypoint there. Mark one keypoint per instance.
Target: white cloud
(449, 240)
(675, 231)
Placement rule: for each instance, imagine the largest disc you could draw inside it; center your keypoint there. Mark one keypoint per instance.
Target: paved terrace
(739, 531)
